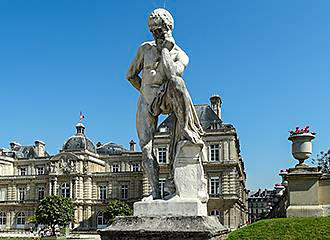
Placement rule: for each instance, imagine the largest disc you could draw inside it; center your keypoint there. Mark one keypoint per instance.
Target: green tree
(55, 211)
(323, 161)
(116, 208)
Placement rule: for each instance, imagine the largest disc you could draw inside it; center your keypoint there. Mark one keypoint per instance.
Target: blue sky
(269, 60)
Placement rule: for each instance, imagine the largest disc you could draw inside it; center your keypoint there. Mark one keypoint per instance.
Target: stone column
(89, 216)
(225, 151)
(32, 192)
(55, 186)
(8, 220)
(50, 187)
(71, 188)
(10, 192)
(225, 183)
(94, 191)
(12, 219)
(232, 182)
(14, 192)
(232, 152)
(88, 188)
(109, 193)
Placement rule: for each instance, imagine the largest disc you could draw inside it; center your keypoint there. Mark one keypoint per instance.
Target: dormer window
(40, 170)
(162, 155)
(115, 167)
(136, 167)
(22, 171)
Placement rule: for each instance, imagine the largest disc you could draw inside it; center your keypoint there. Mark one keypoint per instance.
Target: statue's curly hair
(159, 17)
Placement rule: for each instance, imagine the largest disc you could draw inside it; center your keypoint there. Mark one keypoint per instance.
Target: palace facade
(92, 174)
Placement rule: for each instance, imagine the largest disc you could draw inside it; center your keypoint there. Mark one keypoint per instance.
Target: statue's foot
(147, 199)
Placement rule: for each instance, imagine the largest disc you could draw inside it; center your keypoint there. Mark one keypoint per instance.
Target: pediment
(65, 163)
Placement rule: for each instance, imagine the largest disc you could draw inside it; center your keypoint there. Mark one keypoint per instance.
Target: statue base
(179, 207)
(162, 228)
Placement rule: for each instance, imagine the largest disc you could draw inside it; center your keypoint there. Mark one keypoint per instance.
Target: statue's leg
(187, 120)
(146, 125)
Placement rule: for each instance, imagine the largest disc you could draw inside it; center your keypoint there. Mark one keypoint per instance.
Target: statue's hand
(169, 41)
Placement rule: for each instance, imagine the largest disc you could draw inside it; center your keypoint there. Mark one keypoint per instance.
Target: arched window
(101, 223)
(3, 218)
(20, 219)
(65, 190)
(217, 213)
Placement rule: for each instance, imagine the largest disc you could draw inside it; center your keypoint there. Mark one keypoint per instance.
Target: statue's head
(160, 21)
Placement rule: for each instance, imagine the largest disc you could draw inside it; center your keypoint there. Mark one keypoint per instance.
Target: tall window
(214, 186)
(136, 167)
(40, 170)
(22, 171)
(101, 223)
(3, 192)
(214, 152)
(162, 187)
(21, 194)
(124, 191)
(162, 151)
(102, 192)
(115, 167)
(65, 190)
(20, 218)
(3, 218)
(41, 193)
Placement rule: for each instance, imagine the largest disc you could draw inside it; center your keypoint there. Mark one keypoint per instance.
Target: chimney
(132, 146)
(216, 104)
(40, 148)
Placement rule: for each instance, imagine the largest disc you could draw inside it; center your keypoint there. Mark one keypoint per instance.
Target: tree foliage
(323, 161)
(55, 211)
(116, 208)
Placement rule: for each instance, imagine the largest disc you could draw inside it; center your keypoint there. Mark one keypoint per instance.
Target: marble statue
(163, 91)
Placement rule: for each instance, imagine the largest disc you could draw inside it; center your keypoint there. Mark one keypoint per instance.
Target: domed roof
(79, 141)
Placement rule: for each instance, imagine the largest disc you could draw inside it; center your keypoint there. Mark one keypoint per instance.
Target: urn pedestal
(303, 180)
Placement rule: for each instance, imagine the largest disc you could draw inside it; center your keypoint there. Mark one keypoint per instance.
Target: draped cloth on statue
(185, 125)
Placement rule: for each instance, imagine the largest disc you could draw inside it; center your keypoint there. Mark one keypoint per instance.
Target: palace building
(93, 174)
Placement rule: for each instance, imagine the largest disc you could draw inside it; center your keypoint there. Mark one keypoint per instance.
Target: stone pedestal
(304, 192)
(164, 228)
(183, 216)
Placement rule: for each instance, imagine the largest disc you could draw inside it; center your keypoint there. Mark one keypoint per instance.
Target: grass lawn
(312, 228)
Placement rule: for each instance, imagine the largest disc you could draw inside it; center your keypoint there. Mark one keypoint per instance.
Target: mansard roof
(110, 149)
(206, 116)
(20, 151)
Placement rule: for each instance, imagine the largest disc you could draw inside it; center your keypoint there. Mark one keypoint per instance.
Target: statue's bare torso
(153, 73)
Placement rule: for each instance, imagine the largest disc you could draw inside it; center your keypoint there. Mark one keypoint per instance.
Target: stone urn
(301, 146)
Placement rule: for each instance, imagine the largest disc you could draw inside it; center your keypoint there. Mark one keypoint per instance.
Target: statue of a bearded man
(163, 91)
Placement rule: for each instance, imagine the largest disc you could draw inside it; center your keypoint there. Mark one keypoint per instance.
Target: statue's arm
(135, 68)
(174, 67)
